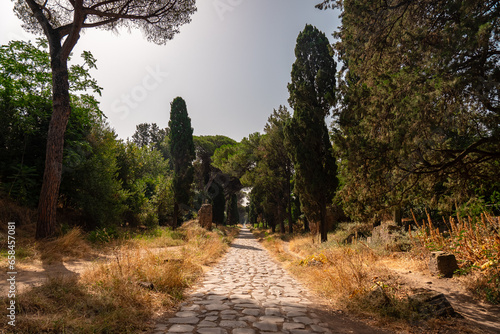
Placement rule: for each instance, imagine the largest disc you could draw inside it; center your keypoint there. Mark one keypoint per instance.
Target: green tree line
(415, 125)
(105, 181)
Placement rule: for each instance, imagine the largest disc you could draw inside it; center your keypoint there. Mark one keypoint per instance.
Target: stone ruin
(205, 216)
(442, 264)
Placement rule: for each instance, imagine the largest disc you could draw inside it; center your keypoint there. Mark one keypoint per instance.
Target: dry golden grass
(121, 295)
(355, 278)
(13, 212)
(71, 245)
(475, 242)
(339, 273)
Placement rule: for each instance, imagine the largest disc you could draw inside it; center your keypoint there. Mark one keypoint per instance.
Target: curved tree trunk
(47, 206)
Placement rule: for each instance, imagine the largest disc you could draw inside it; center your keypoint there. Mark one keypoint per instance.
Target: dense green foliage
(25, 102)
(209, 180)
(418, 124)
(182, 153)
(105, 182)
(312, 94)
(271, 177)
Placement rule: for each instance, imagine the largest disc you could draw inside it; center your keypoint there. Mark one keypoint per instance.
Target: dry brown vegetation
(475, 242)
(357, 278)
(142, 277)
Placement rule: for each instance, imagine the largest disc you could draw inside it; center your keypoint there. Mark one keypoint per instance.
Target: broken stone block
(205, 216)
(442, 264)
(432, 304)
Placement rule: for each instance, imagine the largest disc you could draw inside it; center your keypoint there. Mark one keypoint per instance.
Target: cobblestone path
(247, 293)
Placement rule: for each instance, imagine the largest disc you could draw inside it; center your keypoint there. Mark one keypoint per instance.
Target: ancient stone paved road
(247, 293)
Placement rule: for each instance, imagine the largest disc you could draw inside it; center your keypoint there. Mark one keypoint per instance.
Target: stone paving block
(304, 320)
(208, 302)
(233, 323)
(251, 311)
(188, 320)
(300, 331)
(266, 326)
(270, 318)
(294, 309)
(217, 297)
(161, 327)
(241, 300)
(190, 308)
(186, 314)
(246, 306)
(212, 313)
(272, 311)
(228, 316)
(243, 331)
(206, 323)
(249, 318)
(295, 314)
(293, 325)
(209, 330)
(217, 307)
(181, 329)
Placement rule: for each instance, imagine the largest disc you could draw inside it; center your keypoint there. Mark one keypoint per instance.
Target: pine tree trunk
(281, 220)
(46, 226)
(176, 214)
(289, 205)
(323, 226)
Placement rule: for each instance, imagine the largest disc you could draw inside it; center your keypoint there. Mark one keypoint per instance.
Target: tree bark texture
(47, 206)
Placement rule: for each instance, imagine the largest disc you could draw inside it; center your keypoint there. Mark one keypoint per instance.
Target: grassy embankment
(356, 277)
(134, 277)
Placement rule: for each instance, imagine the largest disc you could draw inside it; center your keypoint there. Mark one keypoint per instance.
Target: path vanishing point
(247, 293)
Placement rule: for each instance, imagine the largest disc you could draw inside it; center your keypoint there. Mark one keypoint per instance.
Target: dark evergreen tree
(233, 215)
(149, 134)
(218, 203)
(312, 94)
(418, 124)
(182, 154)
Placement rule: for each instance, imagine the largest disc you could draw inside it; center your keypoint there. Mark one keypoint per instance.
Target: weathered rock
(205, 216)
(243, 331)
(293, 325)
(184, 321)
(442, 264)
(180, 329)
(266, 326)
(431, 304)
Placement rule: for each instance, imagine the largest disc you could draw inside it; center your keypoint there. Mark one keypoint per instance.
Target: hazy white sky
(231, 64)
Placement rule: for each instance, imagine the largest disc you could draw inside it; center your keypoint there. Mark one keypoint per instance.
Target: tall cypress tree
(312, 94)
(182, 153)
